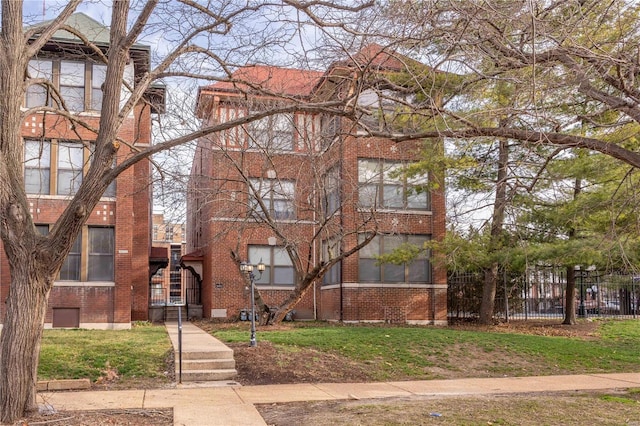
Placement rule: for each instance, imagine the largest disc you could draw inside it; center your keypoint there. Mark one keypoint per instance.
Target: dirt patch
(569, 408)
(156, 417)
(266, 364)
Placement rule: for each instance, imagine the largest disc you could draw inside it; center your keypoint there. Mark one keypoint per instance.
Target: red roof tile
(281, 81)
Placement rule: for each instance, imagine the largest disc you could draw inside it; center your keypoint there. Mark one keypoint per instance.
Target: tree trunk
(570, 297)
(20, 342)
(570, 293)
(497, 224)
(489, 287)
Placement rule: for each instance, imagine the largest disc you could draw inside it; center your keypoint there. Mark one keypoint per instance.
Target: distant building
(301, 166)
(166, 283)
(104, 282)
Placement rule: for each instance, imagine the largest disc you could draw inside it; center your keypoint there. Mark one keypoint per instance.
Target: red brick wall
(224, 230)
(109, 306)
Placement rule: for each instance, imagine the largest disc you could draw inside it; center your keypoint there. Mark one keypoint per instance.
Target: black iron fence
(541, 293)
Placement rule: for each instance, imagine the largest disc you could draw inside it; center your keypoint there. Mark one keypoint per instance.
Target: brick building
(317, 183)
(104, 283)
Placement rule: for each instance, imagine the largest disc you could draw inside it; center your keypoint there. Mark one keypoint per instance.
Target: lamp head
(261, 266)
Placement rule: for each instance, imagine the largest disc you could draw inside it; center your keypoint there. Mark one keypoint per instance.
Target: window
(42, 229)
(418, 271)
(279, 268)
(37, 94)
(66, 165)
(37, 166)
(79, 83)
(98, 75)
(276, 195)
(71, 268)
(72, 83)
(154, 236)
(330, 250)
(331, 202)
(274, 131)
(111, 189)
(383, 184)
(70, 163)
(330, 130)
(100, 254)
(168, 232)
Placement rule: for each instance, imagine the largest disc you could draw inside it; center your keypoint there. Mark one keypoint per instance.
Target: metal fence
(541, 293)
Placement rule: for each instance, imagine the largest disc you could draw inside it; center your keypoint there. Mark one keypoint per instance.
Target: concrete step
(207, 375)
(221, 353)
(208, 364)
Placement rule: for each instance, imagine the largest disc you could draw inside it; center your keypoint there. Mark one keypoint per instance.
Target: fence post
(180, 344)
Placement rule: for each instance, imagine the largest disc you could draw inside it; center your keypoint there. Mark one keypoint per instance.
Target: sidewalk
(229, 404)
(234, 405)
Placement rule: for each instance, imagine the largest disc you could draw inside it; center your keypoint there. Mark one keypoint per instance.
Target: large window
(276, 195)
(382, 184)
(98, 75)
(418, 271)
(65, 161)
(100, 250)
(274, 131)
(91, 261)
(39, 94)
(331, 199)
(37, 166)
(72, 267)
(70, 163)
(279, 268)
(330, 251)
(72, 83)
(72, 78)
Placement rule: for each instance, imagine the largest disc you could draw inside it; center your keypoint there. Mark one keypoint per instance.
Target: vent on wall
(66, 317)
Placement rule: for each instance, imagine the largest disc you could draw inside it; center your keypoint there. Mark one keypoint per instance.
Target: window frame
(90, 85)
(271, 256)
(334, 274)
(369, 271)
(28, 169)
(76, 171)
(376, 186)
(273, 132)
(272, 195)
(100, 255)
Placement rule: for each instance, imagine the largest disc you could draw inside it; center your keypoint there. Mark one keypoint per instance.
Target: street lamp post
(247, 268)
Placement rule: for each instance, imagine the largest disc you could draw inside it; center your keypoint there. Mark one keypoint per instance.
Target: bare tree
(197, 42)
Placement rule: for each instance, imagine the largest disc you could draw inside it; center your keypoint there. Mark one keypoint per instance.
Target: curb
(59, 385)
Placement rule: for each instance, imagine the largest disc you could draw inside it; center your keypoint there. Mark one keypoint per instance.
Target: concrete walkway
(229, 404)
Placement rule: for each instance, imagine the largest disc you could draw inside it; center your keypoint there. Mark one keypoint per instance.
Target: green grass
(72, 354)
(406, 351)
